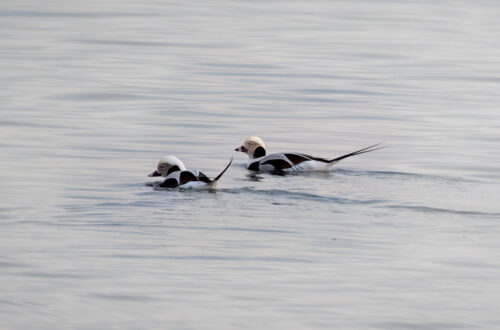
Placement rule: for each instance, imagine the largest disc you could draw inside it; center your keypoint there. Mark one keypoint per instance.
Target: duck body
(287, 162)
(187, 179)
(177, 176)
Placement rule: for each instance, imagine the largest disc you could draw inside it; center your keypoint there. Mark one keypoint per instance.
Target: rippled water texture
(93, 93)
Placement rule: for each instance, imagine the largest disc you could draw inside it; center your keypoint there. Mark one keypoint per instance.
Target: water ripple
(428, 209)
(214, 258)
(303, 196)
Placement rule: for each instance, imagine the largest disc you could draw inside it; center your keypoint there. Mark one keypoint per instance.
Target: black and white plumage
(258, 160)
(177, 176)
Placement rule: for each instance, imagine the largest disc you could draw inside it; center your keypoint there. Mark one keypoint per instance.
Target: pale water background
(94, 92)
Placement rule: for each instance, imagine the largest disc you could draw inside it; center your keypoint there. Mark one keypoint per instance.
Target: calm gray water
(93, 93)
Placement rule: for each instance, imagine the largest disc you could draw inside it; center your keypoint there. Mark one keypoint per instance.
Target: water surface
(93, 93)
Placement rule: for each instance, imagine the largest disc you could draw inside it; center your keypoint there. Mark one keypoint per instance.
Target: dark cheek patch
(259, 152)
(173, 169)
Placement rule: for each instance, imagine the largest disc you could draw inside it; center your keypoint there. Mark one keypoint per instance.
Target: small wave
(74, 14)
(125, 297)
(8, 264)
(428, 209)
(213, 258)
(101, 97)
(301, 195)
(52, 275)
(404, 175)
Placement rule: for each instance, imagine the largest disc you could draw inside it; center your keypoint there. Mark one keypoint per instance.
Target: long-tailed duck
(290, 161)
(177, 176)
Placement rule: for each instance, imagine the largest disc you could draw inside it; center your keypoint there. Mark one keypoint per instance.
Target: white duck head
(254, 147)
(167, 165)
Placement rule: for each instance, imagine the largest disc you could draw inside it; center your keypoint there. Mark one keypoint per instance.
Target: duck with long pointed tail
(258, 160)
(177, 176)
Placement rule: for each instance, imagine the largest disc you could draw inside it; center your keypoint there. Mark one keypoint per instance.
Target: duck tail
(357, 152)
(213, 184)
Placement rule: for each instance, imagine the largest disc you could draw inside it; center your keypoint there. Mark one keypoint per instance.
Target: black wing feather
(254, 166)
(169, 183)
(297, 158)
(187, 176)
(202, 177)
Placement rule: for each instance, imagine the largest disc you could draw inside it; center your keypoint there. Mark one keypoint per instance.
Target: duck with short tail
(177, 176)
(259, 160)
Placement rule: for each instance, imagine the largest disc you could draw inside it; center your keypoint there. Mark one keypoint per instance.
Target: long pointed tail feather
(357, 152)
(224, 170)
(213, 184)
